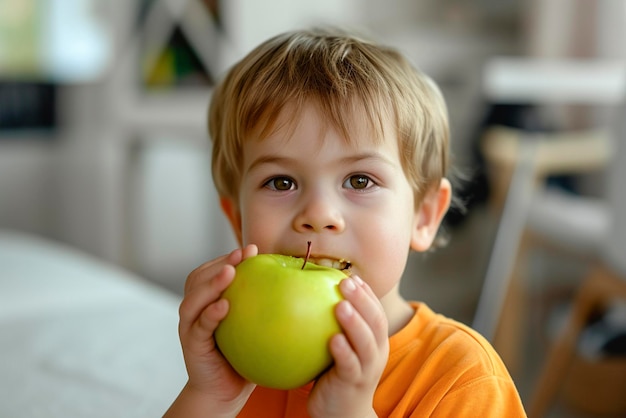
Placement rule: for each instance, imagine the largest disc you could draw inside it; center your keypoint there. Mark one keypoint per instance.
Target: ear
(429, 215)
(231, 210)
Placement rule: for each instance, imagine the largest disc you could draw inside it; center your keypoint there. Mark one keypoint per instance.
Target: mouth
(340, 264)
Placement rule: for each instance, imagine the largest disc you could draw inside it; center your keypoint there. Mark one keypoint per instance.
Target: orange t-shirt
(437, 367)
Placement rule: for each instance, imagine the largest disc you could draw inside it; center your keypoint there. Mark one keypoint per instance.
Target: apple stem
(308, 254)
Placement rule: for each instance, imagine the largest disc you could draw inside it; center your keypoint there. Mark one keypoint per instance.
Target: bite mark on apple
(341, 264)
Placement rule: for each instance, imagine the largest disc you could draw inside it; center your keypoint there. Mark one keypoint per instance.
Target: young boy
(320, 136)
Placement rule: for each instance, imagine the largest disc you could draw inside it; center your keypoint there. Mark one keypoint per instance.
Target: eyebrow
(279, 160)
(269, 159)
(366, 156)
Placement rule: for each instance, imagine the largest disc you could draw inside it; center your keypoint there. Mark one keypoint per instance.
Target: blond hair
(342, 75)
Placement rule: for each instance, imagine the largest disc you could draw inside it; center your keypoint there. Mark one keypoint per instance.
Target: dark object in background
(605, 335)
(474, 190)
(26, 106)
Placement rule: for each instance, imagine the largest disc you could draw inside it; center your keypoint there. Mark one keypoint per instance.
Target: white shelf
(183, 112)
(519, 80)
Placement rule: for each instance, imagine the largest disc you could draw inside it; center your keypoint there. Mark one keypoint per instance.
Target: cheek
(261, 228)
(388, 257)
(386, 241)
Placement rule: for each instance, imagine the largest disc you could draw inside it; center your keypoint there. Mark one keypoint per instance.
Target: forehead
(354, 122)
(306, 135)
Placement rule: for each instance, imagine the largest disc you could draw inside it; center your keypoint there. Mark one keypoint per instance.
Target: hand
(211, 379)
(360, 354)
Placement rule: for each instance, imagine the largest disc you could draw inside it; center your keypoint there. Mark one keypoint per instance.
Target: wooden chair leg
(511, 330)
(597, 290)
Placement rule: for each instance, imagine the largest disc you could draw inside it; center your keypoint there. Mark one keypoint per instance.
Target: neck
(398, 311)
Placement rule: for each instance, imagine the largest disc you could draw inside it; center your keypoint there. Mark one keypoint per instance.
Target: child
(320, 136)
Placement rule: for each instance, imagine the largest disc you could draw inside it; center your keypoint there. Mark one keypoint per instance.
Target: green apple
(280, 320)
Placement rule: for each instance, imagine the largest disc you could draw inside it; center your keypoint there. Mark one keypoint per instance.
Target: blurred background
(103, 143)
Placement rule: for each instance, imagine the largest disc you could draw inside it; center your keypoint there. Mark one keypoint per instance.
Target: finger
(347, 363)
(199, 336)
(250, 250)
(359, 282)
(199, 298)
(365, 324)
(207, 270)
(370, 308)
(357, 332)
(210, 269)
(235, 257)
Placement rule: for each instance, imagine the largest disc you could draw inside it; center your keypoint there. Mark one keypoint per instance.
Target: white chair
(519, 163)
(605, 283)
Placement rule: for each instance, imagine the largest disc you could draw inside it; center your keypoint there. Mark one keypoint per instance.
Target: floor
(450, 280)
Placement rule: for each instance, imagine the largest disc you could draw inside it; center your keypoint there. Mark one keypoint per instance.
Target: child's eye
(358, 182)
(280, 184)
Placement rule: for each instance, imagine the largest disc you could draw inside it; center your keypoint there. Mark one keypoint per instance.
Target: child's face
(352, 201)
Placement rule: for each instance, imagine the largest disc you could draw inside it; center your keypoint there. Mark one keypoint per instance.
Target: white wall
(176, 223)
(249, 22)
(26, 184)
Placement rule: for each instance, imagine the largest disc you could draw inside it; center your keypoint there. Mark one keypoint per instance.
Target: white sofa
(81, 338)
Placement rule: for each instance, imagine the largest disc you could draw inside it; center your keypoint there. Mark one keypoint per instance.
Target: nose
(319, 213)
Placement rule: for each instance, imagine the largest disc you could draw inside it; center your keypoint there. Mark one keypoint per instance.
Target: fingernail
(349, 285)
(358, 280)
(345, 309)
